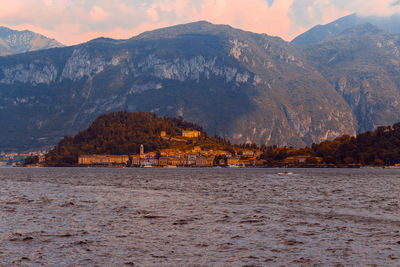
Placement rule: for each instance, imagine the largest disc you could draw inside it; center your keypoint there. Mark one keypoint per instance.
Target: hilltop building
(190, 133)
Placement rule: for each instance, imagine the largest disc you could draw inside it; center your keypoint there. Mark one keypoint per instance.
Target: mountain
(239, 85)
(323, 32)
(363, 65)
(15, 42)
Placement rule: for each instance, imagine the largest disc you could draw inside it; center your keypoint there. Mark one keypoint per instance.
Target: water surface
(199, 217)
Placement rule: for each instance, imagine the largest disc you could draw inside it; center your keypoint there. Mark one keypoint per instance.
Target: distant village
(188, 151)
(16, 159)
(195, 157)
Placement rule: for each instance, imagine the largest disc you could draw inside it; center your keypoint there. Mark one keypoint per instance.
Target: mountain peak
(197, 27)
(322, 32)
(15, 42)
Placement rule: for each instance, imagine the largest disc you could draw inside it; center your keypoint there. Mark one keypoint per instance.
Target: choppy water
(199, 217)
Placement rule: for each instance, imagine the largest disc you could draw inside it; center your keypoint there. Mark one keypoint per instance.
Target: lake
(199, 217)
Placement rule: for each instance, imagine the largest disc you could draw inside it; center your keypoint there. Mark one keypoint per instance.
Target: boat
(147, 165)
(169, 166)
(285, 173)
(233, 166)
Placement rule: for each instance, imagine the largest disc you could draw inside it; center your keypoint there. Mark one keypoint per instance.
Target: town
(188, 151)
(18, 158)
(195, 156)
(145, 140)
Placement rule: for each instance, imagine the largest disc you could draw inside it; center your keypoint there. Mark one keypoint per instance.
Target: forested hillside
(379, 147)
(122, 133)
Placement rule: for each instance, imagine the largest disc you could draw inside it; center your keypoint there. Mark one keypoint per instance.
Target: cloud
(153, 13)
(98, 14)
(75, 21)
(252, 15)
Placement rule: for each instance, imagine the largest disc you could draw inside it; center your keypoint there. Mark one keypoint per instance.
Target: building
(210, 161)
(196, 149)
(201, 162)
(163, 134)
(176, 161)
(233, 161)
(142, 151)
(303, 159)
(103, 160)
(162, 161)
(148, 161)
(135, 160)
(204, 162)
(245, 162)
(191, 159)
(190, 133)
(247, 153)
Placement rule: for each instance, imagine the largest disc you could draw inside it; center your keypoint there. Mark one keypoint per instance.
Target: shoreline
(214, 167)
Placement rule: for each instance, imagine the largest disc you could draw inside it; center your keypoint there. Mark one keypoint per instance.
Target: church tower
(141, 150)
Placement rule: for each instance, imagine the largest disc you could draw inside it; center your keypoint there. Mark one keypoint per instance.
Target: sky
(76, 21)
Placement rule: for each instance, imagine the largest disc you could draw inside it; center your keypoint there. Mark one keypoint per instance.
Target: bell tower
(141, 151)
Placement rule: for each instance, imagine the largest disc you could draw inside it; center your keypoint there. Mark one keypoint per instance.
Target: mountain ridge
(15, 42)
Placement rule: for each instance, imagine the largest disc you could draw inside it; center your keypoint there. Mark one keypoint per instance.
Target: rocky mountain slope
(240, 85)
(243, 86)
(15, 42)
(363, 64)
(323, 32)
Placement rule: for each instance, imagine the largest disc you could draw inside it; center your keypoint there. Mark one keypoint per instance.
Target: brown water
(199, 217)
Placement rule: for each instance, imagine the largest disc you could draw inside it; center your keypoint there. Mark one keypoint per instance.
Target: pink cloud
(76, 21)
(13, 8)
(253, 15)
(119, 33)
(98, 14)
(152, 13)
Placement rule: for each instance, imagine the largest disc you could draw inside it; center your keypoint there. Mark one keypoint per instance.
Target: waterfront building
(106, 160)
(191, 159)
(135, 160)
(233, 161)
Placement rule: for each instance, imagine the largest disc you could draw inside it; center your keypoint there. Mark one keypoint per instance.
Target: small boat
(285, 173)
(233, 166)
(147, 165)
(169, 166)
